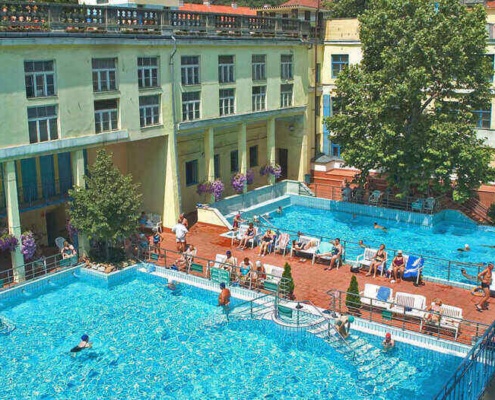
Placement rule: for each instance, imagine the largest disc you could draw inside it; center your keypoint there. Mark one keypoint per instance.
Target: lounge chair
(154, 221)
(326, 247)
(414, 267)
(450, 318)
(367, 258)
(282, 242)
(429, 205)
(413, 305)
(376, 296)
(242, 231)
(375, 197)
(304, 240)
(273, 277)
(417, 205)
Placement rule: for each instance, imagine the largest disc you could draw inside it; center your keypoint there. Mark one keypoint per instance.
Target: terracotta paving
(312, 282)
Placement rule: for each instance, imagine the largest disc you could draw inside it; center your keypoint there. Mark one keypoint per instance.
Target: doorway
(51, 227)
(283, 161)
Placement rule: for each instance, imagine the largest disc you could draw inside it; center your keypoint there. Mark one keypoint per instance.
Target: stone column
(304, 163)
(171, 198)
(81, 243)
(14, 218)
(241, 145)
(270, 146)
(209, 148)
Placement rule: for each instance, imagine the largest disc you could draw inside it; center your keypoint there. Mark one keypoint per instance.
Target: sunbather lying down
(304, 246)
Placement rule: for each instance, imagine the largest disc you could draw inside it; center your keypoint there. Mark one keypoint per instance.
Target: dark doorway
(51, 227)
(283, 161)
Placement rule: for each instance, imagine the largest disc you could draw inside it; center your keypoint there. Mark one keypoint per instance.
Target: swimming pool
(150, 342)
(440, 240)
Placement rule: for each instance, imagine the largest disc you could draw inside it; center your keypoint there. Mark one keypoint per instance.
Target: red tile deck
(312, 282)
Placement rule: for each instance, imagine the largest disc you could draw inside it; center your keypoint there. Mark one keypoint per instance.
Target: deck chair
(189, 258)
(429, 205)
(417, 205)
(375, 197)
(282, 243)
(413, 270)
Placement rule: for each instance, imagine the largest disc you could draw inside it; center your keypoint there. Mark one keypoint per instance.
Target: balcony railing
(39, 17)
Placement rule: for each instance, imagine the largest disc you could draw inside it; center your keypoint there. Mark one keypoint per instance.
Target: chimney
(234, 4)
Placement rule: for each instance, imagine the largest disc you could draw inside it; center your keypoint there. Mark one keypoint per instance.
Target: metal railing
(75, 18)
(387, 200)
(409, 318)
(475, 372)
(35, 269)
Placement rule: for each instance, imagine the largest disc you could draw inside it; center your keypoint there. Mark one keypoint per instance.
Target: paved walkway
(312, 282)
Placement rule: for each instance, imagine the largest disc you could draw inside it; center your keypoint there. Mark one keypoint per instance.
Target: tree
(108, 208)
(408, 109)
(346, 8)
(288, 281)
(353, 299)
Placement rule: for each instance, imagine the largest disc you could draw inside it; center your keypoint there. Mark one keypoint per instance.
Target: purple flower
(249, 176)
(217, 188)
(204, 188)
(268, 169)
(8, 242)
(28, 248)
(238, 181)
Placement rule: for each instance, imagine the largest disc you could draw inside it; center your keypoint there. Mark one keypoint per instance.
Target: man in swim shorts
(224, 296)
(341, 323)
(83, 344)
(485, 277)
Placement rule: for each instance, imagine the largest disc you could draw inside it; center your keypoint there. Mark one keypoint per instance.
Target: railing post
(371, 310)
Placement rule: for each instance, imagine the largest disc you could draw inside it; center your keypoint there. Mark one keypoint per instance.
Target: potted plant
(28, 245)
(287, 284)
(353, 300)
(217, 188)
(271, 171)
(249, 176)
(238, 181)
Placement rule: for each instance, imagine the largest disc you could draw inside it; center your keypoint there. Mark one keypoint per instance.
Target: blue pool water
(152, 344)
(440, 241)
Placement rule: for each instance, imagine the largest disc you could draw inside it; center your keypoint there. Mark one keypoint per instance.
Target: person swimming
(465, 248)
(83, 344)
(377, 226)
(279, 210)
(388, 342)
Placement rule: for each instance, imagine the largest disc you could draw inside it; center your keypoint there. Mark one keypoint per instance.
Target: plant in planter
(271, 169)
(287, 283)
(217, 188)
(352, 299)
(238, 181)
(28, 245)
(8, 242)
(249, 176)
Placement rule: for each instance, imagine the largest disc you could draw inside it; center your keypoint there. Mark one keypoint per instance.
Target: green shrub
(288, 281)
(353, 300)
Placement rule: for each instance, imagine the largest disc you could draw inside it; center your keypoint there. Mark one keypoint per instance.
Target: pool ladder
(6, 326)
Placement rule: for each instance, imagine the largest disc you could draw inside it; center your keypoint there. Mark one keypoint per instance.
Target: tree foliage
(353, 299)
(289, 281)
(108, 208)
(346, 8)
(407, 108)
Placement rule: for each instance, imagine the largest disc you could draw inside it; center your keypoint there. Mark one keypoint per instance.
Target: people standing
(224, 296)
(183, 220)
(485, 277)
(180, 235)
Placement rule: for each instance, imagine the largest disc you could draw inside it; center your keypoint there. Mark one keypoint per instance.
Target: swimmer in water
(279, 210)
(376, 226)
(388, 342)
(465, 248)
(172, 285)
(361, 244)
(83, 344)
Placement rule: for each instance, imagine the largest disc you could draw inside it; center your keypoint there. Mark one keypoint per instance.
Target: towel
(383, 293)
(325, 247)
(414, 263)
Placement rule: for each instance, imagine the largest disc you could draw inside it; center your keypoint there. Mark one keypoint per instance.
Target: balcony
(94, 20)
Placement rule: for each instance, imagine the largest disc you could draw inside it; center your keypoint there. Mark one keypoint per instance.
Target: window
(259, 67)
(227, 100)
(40, 78)
(104, 74)
(253, 156)
(226, 69)
(318, 73)
(286, 95)
(234, 161)
(259, 98)
(318, 105)
(106, 112)
(483, 118)
(307, 15)
(286, 66)
(147, 72)
(189, 70)
(339, 62)
(42, 122)
(190, 106)
(191, 172)
(149, 110)
(216, 165)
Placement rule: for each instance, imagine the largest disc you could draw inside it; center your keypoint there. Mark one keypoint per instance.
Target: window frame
(148, 74)
(226, 70)
(483, 118)
(286, 97)
(191, 106)
(49, 122)
(258, 67)
(338, 63)
(104, 78)
(226, 103)
(192, 176)
(31, 79)
(217, 171)
(190, 71)
(109, 115)
(287, 66)
(234, 161)
(150, 110)
(258, 100)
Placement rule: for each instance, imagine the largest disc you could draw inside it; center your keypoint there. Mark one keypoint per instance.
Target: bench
(273, 277)
(412, 305)
(450, 318)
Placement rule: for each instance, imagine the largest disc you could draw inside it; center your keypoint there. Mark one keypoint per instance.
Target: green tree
(346, 8)
(108, 208)
(287, 281)
(353, 299)
(408, 108)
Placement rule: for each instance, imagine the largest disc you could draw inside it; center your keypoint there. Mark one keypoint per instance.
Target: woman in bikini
(379, 259)
(398, 265)
(265, 242)
(249, 235)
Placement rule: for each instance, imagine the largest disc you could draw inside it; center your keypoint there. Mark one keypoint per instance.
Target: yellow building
(177, 97)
